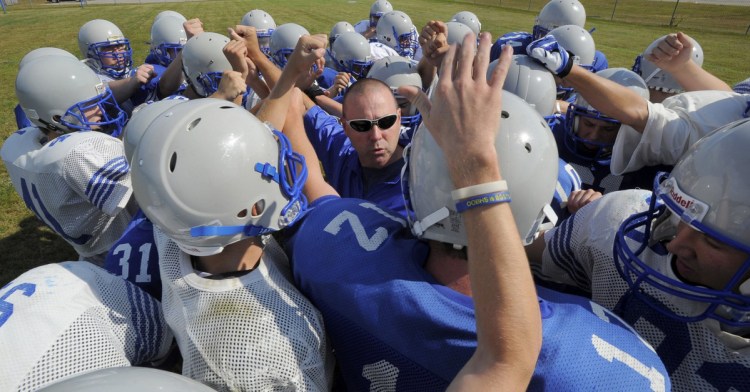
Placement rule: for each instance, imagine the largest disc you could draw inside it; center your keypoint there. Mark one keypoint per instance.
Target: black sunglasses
(364, 125)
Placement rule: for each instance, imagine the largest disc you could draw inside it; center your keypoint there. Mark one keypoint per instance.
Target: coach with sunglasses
(359, 153)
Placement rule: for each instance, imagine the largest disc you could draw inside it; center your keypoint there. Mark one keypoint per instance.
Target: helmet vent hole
(193, 124)
(504, 114)
(242, 213)
(258, 208)
(172, 162)
(527, 146)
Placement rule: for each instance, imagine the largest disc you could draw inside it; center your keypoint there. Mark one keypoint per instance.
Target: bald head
(367, 87)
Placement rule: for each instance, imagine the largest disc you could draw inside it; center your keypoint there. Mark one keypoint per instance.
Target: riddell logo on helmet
(682, 200)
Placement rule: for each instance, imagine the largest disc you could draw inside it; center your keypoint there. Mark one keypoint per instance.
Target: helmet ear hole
(194, 124)
(242, 213)
(504, 114)
(527, 146)
(172, 162)
(258, 208)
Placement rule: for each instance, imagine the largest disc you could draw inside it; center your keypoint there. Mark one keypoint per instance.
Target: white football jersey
(699, 356)
(255, 332)
(378, 51)
(58, 320)
(673, 126)
(78, 184)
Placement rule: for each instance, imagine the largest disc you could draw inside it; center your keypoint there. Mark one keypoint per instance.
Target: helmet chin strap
(419, 227)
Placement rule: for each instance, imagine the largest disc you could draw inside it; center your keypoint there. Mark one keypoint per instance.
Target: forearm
(504, 294)
(694, 78)
(123, 89)
(612, 99)
(171, 79)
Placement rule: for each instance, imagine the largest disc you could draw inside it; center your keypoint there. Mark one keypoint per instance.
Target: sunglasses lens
(360, 125)
(387, 121)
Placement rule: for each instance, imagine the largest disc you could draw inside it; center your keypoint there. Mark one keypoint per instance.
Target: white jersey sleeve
(673, 126)
(63, 319)
(255, 332)
(78, 184)
(574, 248)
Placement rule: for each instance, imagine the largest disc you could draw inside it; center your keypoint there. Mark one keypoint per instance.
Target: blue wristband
(483, 200)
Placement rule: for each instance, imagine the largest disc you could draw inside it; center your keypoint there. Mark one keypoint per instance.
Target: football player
(77, 183)
(64, 319)
(406, 313)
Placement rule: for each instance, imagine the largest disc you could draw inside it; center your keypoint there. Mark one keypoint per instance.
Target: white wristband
(479, 189)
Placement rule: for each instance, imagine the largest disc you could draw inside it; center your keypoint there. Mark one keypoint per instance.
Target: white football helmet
(210, 174)
(61, 93)
(558, 13)
(103, 42)
(530, 81)
(264, 27)
(456, 32)
(581, 107)
(171, 13)
(378, 9)
(141, 118)
(167, 39)
(284, 40)
(655, 77)
(470, 19)
(42, 52)
(338, 29)
(351, 51)
(525, 145)
(578, 41)
(396, 30)
(397, 71)
(203, 62)
(127, 379)
(711, 196)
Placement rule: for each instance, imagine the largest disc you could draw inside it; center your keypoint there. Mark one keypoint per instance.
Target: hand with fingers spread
(465, 112)
(551, 54)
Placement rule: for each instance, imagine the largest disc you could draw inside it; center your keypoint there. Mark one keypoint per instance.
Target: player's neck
(447, 269)
(240, 256)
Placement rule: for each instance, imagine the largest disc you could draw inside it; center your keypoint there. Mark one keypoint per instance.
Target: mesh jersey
(378, 50)
(341, 166)
(78, 184)
(251, 333)
(595, 174)
(674, 125)
(62, 319)
(699, 356)
(134, 258)
(395, 328)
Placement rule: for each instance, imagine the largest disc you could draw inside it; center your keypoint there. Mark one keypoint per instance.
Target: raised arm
(610, 98)
(463, 118)
(673, 55)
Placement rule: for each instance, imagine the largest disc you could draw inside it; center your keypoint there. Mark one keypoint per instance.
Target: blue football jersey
(134, 257)
(394, 327)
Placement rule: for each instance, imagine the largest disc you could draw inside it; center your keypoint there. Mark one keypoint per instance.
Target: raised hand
(551, 54)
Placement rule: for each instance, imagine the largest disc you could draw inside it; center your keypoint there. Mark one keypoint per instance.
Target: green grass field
(25, 243)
